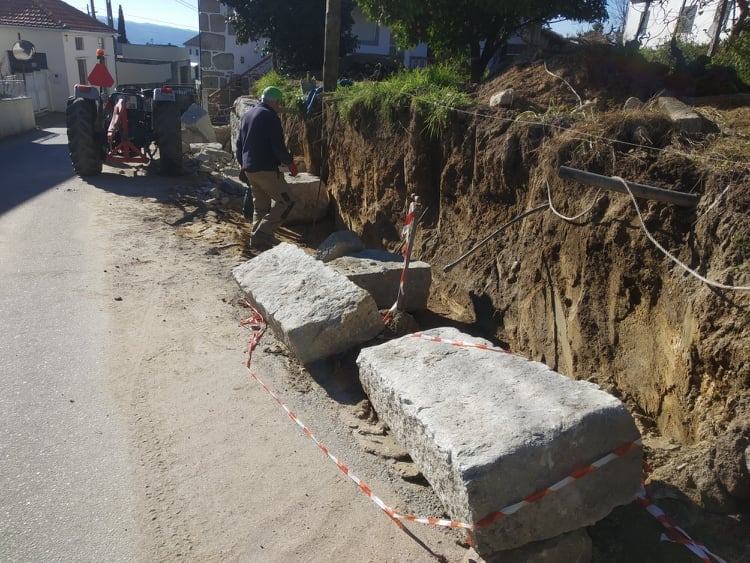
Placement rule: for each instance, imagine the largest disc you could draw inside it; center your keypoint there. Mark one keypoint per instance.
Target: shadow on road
(36, 161)
(33, 162)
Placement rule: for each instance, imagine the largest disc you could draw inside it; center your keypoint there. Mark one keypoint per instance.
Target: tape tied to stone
(406, 236)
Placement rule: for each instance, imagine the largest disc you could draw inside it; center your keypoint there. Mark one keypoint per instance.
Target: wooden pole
(331, 52)
(639, 190)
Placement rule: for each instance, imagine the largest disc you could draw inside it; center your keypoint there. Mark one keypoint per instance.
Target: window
(79, 43)
(83, 75)
(242, 60)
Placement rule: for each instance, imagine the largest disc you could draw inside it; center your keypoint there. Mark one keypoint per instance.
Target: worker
(260, 152)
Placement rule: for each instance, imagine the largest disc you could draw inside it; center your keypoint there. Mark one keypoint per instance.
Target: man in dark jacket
(260, 152)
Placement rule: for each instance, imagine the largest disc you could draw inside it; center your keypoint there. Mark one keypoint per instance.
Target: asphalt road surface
(65, 473)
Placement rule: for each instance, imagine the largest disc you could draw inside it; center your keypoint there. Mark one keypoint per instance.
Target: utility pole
(331, 53)
(93, 10)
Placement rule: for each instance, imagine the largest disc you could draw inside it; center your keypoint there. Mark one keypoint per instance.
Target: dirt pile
(591, 296)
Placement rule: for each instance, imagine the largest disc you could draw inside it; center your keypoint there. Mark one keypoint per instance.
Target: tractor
(120, 127)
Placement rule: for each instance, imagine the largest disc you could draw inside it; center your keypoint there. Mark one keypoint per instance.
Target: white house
(65, 41)
(656, 22)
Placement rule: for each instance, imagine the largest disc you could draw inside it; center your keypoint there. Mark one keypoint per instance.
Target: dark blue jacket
(260, 142)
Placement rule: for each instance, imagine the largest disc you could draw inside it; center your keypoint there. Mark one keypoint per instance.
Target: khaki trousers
(271, 200)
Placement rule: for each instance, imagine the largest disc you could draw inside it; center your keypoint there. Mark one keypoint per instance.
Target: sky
(175, 13)
(184, 13)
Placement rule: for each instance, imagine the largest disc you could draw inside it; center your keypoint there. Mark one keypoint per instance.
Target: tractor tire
(168, 133)
(86, 152)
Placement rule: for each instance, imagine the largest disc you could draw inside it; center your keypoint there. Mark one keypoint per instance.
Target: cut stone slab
(379, 272)
(310, 199)
(488, 429)
(681, 114)
(571, 547)
(313, 309)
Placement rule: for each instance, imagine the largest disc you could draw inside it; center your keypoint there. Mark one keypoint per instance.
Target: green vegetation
(289, 88)
(473, 30)
(681, 55)
(735, 53)
(435, 91)
(291, 31)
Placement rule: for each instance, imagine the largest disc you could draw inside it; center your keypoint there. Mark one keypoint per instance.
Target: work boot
(263, 241)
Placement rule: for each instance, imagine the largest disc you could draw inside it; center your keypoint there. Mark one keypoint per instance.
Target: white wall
(134, 73)
(663, 18)
(16, 116)
(91, 42)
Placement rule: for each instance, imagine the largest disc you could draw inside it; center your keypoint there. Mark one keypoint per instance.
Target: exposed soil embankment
(592, 297)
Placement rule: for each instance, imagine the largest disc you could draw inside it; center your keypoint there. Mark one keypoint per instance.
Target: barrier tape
(674, 532)
(463, 344)
(407, 234)
(256, 324)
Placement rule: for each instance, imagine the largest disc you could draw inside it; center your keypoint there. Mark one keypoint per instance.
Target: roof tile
(48, 14)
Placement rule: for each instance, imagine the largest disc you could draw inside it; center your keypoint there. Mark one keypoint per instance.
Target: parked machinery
(122, 126)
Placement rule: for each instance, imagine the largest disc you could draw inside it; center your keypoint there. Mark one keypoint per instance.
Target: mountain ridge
(151, 33)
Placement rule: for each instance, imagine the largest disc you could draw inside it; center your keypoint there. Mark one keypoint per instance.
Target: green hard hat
(271, 94)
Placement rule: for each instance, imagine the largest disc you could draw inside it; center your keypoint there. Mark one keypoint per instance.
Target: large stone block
(680, 114)
(310, 199)
(213, 42)
(223, 61)
(379, 272)
(489, 429)
(314, 310)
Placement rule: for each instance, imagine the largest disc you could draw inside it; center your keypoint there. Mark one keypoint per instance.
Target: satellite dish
(23, 50)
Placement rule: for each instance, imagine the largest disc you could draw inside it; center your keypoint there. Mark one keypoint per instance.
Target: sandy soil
(224, 473)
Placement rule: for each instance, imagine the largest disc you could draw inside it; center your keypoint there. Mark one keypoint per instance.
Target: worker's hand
(293, 170)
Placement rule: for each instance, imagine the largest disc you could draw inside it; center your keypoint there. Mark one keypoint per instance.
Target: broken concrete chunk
(379, 272)
(314, 310)
(488, 429)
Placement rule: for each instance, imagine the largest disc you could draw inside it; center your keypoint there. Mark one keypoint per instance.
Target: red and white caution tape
(407, 234)
(463, 344)
(256, 325)
(674, 532)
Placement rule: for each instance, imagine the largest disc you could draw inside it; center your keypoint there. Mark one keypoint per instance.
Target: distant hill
(153, 33)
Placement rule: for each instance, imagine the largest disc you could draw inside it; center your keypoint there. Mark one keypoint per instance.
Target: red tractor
(122, 126)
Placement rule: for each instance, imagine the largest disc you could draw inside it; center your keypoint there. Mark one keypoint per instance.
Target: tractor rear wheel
(86, 152)
(168, 132)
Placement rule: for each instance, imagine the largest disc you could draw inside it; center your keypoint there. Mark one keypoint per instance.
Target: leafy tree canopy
(473, 28)
(293, 30)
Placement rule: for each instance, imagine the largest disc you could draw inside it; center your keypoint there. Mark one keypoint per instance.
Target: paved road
(65, 470)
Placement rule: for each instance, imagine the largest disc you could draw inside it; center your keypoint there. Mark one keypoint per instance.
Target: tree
(293, 30)
(121, 27)
(618, 16)
(476, 29)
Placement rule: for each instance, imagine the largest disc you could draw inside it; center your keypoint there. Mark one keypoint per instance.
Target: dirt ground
(592, 296)
(225, 475)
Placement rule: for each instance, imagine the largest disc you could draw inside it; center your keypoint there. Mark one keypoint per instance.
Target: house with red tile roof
(65, 41)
